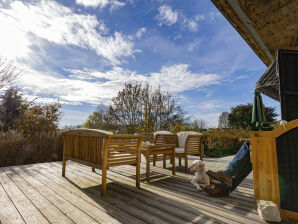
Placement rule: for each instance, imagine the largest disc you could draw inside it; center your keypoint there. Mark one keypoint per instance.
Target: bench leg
(93, 169)
(154, 162)
(164, 161)
(179, 161)
(104, 182)
(63, 163)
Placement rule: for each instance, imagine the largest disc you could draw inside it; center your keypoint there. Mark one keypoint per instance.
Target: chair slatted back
(122, 150)
(161, 139)
(147, 137)
(193, 144)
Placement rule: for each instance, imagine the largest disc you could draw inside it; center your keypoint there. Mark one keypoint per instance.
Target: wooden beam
(249, 26)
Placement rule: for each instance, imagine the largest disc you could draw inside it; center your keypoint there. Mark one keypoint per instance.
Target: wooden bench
(101, 150)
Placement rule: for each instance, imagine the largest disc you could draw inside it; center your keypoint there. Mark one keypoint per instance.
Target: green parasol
(258, 111)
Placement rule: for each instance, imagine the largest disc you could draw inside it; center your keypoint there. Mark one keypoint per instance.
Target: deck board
(37, 193)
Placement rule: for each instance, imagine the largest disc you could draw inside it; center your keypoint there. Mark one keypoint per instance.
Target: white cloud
(73, 117)
(114, 4)
(199, 17)
(93, 3)
(210, 118)
(210, 105)
(166, 15)
(175, 78)
(53, 22)
(194, 44)
(178, 78)
(69, 90)
(140, 32)
(190, 24)
(94, 87)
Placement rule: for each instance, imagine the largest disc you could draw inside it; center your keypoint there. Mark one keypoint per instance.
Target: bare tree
(8, 73)
(139, 108)
(126, 109)
(223, 120)
(202, 124)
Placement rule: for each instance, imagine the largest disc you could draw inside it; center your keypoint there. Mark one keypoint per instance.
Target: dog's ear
(203, 165)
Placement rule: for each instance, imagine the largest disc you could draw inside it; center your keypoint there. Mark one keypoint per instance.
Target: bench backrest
(84, 145)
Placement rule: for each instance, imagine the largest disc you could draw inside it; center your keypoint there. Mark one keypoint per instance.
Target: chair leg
(154, 162)
(164, 161)
(104, 182)
(201, 154)
(148, 169)
(186, 163)
(173, 165)
(179, 161)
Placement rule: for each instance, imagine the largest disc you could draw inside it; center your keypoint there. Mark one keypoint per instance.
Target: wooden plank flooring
(38, 194)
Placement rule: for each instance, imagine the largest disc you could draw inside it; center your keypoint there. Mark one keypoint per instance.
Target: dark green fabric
(258, 111)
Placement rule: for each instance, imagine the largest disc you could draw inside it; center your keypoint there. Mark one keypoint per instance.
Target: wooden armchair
(101, 150)
(164, 139)
(193, 146)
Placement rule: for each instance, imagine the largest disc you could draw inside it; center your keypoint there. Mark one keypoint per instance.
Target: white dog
(201, 179)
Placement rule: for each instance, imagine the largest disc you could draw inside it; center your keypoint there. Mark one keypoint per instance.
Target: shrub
(15, 149)
(223, 142)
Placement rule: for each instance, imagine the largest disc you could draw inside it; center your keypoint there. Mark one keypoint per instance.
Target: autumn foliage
(29, 132)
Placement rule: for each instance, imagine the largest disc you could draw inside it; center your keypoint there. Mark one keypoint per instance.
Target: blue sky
(83, 51)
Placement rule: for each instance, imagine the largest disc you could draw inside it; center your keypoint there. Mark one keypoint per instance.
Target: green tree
(178, 127)
(240, 116)
(94, 121)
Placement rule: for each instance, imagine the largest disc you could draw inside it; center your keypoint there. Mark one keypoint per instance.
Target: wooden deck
(38, 193)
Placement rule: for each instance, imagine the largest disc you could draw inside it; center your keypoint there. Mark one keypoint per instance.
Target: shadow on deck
(38, 193)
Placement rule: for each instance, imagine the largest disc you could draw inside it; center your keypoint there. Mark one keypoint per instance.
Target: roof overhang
(265, 25)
